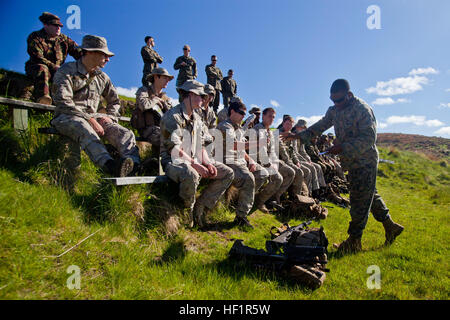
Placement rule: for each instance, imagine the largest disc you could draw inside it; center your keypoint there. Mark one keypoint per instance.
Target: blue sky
(284, 54)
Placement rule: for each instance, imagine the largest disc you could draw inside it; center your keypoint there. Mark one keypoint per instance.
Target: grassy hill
(125, 244)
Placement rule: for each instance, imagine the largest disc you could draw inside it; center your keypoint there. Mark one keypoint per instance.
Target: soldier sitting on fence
(77, 90)
(151, 104)
(48, 49)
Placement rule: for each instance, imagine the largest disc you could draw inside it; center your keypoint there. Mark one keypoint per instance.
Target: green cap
(96, 43)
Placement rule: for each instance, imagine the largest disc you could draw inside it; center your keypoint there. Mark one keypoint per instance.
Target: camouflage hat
(236, 98)
(96, 43)
(301, 123)
(255, 110)
(159, 72)
(193, 86)
(50, 18)
(209, 89)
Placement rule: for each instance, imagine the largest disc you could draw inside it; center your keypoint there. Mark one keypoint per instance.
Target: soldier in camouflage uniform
(248, 175)
(77, 90)
(151, 104)
(150, 57)
(48, 49)
(187, 66)
(318, 184)
(281, 175)
(184, 158)
(214, 76)
(207, 114)
(289, 155)
(229, 88)
(355, 127)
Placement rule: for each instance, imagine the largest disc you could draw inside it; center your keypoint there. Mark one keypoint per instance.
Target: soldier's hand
(252, 167)
(202, 171)
(184, 64)
(104, 120)
(96, 126)
(286, 136)
(212, 170)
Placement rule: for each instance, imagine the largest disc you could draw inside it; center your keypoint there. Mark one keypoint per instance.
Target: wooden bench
(20, 111)
(20, 122)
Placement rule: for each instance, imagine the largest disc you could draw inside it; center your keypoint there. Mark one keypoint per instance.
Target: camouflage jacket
(147, 99)
(151, 59)
(187, 72)
(355, 128)
(209, 120)
(173, 123)
(77, 93)
(266, 142)
(229, 87)
(288, 151)
(50, 52)
(232, 133)
(214, 76)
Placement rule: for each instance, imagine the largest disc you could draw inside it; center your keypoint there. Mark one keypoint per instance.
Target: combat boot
(351, 245)
(392, 230)
(243, 222)
(125, 167)
(259, 205)
(199, 215)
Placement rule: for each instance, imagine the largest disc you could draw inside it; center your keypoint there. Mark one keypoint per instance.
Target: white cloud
(382, 125)
(416, 120)
(131, 93)
(389, 100)
(402, 85)
(309, 120)
(274, 103)
(444, 131)
(444, 105)
(429, 70)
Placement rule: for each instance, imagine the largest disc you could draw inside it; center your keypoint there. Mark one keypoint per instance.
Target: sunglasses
(339, 100)
(241, 112)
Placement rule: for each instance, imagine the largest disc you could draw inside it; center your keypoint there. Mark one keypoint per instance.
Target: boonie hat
(96, 43)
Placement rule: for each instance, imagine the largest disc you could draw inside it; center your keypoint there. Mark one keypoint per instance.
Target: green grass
(132, 257)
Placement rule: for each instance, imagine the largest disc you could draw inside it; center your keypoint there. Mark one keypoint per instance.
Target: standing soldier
(214, 76)
(248, 175)
(184, 158)
(355, 127)
(48, 49)
(151, 104)
(229, 88)
(187, 66)
(77, 90)
(151, 58)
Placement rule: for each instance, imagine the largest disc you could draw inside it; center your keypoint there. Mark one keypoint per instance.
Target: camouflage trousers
(189, 180)
(152, 134)
(226, 100)
(79, 130)
(307, 178)
(317, 179)
(289, 175)
(364, 198)
(215, 103)
(247, 183)
(296, 186)
(41, 77)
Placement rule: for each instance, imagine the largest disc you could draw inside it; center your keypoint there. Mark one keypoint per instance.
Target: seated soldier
(206, 112)
(77, 90)
(248, 175)
(151, 104)
(184, 158)
(252, 119)
(289, 155)
(281, 175)
(223, 114)
(319, 185)
(48, 49)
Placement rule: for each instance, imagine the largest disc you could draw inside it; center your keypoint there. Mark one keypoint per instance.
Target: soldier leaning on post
(48, 49)
(150, 57)
(214, 76)
(249, 176)
(77, 90)
(355, 127)
(151, 104)
(187, 66)
(229, 88)
(186, 161)
(281, 175)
